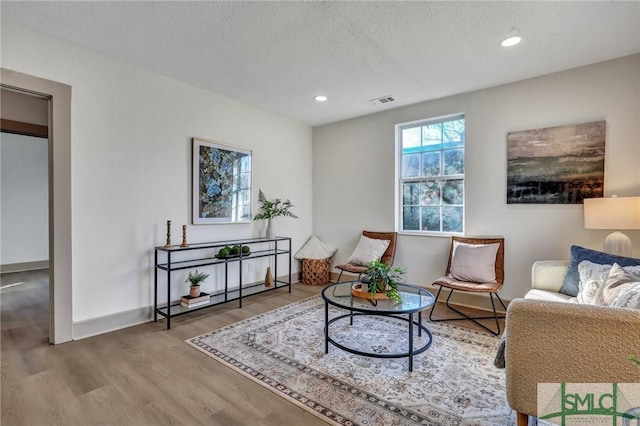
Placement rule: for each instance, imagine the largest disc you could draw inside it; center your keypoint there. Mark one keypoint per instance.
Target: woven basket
(315, 271)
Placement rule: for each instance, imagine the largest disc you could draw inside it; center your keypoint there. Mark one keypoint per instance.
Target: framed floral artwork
(221, 183)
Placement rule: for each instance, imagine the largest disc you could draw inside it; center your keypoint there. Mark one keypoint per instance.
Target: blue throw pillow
(571, 283)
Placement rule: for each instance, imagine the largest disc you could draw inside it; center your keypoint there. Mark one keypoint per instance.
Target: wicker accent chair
(464, 286)
(387, 256)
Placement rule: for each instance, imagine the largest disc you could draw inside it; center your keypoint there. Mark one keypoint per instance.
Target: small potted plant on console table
(195, 279)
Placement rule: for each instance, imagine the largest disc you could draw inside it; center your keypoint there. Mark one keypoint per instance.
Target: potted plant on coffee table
(195, 279)
(383, 278)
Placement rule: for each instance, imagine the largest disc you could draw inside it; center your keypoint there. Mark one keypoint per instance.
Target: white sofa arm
(548, 274)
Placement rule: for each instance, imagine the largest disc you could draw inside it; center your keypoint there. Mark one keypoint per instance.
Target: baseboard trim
(112, 322)
(120, 320)
(24, 266)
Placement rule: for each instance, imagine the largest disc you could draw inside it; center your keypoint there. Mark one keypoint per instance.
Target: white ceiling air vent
(383, 100)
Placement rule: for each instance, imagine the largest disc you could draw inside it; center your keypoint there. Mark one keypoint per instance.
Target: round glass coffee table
(414, 301)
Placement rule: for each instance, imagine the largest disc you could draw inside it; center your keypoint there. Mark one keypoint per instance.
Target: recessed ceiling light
(512, 39)
(320, 98)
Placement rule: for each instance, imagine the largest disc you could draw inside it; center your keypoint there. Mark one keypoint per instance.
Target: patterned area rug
(453, 382)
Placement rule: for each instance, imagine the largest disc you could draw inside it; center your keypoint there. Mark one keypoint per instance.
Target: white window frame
(399, 181)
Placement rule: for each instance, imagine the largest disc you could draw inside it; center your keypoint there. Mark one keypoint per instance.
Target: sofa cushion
(550, 296)
(570, 285)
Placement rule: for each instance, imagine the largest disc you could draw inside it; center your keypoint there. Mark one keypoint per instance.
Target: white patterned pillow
(629, 299)
(617, 282)
(368, 250)
(592, 275)
(315, 249)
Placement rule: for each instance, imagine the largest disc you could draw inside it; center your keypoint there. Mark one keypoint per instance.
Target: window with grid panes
(431, 175)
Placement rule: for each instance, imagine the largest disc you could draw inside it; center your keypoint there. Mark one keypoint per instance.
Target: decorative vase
(268, 279)
(270, 229)
(194, 291)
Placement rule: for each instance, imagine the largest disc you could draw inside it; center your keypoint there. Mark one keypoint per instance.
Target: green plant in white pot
(272, 209)
(195, 279)
(383, 278)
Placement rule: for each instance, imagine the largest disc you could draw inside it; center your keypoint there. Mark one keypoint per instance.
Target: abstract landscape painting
(556, 165)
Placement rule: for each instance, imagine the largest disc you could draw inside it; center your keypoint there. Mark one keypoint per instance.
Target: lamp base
(617, 243)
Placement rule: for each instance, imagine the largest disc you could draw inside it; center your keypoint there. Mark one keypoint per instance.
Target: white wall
(131, 148)
(354, 169)
(131, 170)
(24, 199)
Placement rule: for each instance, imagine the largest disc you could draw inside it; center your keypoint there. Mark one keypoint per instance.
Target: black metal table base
(411, 351)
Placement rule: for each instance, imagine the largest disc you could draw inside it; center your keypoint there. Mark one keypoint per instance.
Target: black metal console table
(176, 258)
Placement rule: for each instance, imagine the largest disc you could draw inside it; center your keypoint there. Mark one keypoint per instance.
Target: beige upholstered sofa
(551, 340)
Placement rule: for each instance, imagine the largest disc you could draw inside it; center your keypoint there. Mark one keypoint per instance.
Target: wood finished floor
(142, 375)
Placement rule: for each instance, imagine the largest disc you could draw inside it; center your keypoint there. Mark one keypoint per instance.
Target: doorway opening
(24, 201)
(58, 199)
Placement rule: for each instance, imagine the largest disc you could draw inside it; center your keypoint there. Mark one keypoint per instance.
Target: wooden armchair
(470, 286)
(387, 257)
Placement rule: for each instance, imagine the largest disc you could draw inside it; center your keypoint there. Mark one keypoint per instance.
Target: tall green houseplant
(272, 209)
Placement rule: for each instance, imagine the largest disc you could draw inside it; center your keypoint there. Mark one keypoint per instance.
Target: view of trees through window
(432, 175)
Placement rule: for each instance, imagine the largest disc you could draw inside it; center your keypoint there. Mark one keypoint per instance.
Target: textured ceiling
(279, 55)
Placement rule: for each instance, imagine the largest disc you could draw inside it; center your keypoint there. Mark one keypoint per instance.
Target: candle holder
(168, 235)
(184, 236)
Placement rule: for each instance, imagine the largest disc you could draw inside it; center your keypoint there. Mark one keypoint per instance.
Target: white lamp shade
(612, 213)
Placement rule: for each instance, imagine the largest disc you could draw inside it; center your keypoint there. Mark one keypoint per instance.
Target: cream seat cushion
(550, 296)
